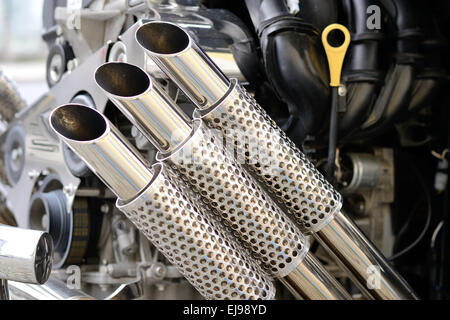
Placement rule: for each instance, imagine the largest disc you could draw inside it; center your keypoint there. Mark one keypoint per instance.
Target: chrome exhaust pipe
(113, 159)
(25, 255)
(184, 62)
(129, 85)
(161, 210)
(272, 158)
(257, 223)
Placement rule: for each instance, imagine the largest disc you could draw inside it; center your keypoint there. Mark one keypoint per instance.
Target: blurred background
(22, 50)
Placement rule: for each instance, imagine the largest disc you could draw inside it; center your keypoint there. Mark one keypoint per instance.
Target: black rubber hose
(265, 10)
(319, 13)
(360, 99)
(243, 47)
(295, 64)
(424, 92)
(361, 69)
(395, 96)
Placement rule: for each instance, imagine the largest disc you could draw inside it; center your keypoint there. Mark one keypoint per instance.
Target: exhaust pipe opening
(104, 149)
(122, 80)
(78, 123)
(161, 38)
(174, 52)
(145, 104)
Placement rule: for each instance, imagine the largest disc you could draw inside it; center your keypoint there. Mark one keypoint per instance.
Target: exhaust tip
(44, 259)
(122, 80)
(78, 123)
(163, 38)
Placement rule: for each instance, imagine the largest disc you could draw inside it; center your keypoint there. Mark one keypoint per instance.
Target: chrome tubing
(112, 158)
(53, 289)
(171, 220)
(25, 255)
(177, 54)
(346, 242)
(233, 195)
(270, 156)
(134, 93)
(310, 279)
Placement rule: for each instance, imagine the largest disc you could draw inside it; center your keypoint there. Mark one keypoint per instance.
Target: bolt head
(104, 208)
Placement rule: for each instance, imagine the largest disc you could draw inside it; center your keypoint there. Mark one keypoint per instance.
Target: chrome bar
(25, 255)
(173, 50)
(53, 289)
(144, 103)
(345, 241)
(104, 149)
(311, 281)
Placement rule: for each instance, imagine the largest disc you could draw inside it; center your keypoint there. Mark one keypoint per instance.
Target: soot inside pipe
(122, 79)
(78, 122)
(162, 38)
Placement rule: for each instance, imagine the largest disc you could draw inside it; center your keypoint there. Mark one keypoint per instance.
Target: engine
(208, 149)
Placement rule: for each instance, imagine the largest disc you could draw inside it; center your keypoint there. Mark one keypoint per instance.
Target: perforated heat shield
(238, 201)
(273, 159)
(203, 253)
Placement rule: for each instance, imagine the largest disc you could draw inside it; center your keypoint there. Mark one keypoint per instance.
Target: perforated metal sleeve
(274, 159)
(200, 249)
(236, 198)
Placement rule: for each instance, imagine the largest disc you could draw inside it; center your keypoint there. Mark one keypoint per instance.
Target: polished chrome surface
(344, 239)
(105, 150)
(53, 289)
(25, 255)
(209, 259)
(4, 290)
(173, 50)
(311, 281)
(144, 103)
(218, 50)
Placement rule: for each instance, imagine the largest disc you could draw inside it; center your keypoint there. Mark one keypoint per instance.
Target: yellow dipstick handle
(335, 55)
